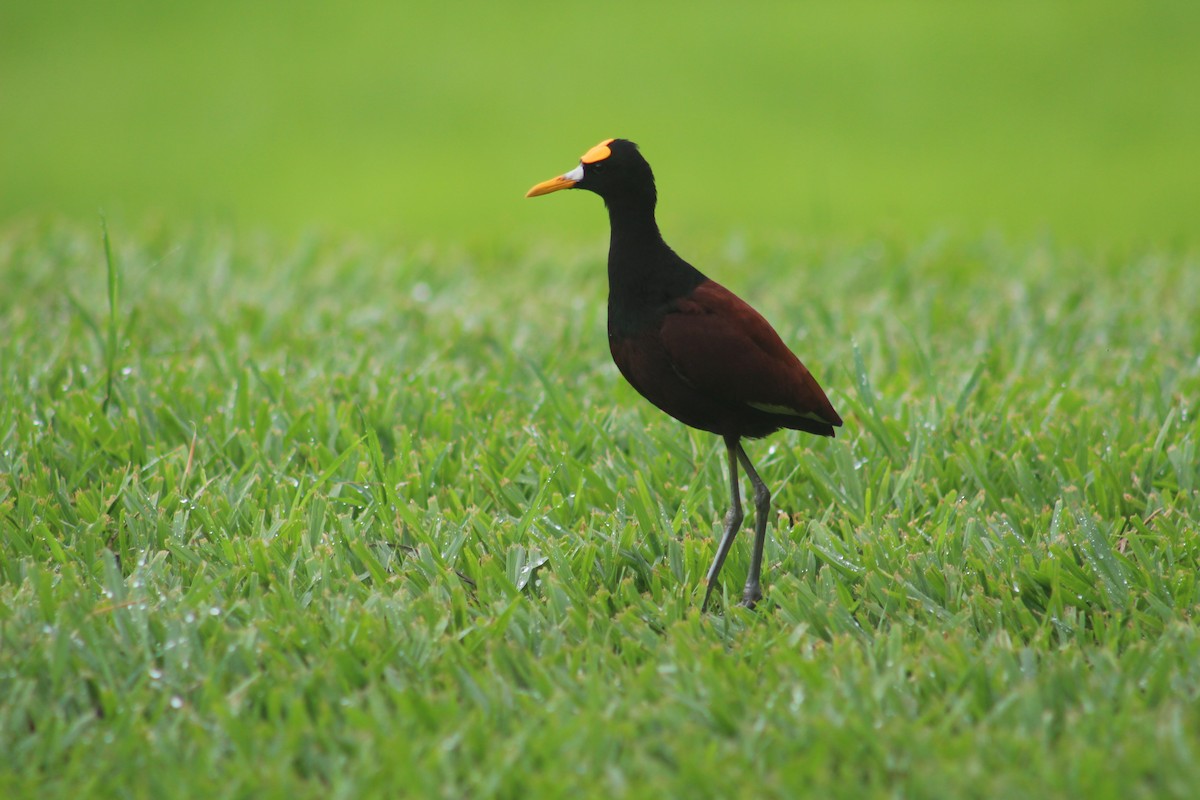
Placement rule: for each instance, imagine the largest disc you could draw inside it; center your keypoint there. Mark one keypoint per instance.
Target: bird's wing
(724, 348)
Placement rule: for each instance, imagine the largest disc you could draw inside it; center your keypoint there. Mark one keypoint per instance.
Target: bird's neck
(643, 271)
(633, 229)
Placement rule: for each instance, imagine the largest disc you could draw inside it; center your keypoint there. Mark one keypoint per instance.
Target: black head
(613, 169)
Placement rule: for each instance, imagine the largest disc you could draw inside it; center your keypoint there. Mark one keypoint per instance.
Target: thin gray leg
(762, 509)
(733, 520)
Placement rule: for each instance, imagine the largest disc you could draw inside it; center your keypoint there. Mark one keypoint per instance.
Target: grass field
(322, 483)
(311, 518)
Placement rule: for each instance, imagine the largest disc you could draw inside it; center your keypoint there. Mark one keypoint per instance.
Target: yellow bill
(567, 180)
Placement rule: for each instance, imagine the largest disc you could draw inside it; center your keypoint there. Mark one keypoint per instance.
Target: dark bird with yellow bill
(689, 345)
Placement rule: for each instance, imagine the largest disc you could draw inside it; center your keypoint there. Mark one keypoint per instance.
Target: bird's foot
(751, 595)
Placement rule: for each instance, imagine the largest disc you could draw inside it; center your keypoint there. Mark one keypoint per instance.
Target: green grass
(329, 515)
(367, 521)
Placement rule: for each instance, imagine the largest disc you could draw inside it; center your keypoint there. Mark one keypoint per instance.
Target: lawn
(310, 517)
(317, 480)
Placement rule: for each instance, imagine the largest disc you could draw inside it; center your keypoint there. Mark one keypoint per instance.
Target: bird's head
(613, 169)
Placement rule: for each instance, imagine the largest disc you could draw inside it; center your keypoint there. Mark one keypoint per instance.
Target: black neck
(633, 228)
(642, 268)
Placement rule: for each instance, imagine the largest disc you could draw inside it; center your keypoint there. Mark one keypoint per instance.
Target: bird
(690, 346)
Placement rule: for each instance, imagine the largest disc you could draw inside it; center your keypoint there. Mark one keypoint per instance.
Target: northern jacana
(689, 345)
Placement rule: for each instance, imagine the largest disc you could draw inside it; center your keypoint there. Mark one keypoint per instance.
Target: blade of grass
(113, 330)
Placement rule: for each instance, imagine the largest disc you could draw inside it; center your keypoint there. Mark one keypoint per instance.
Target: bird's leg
(762, 508)
(733, 520)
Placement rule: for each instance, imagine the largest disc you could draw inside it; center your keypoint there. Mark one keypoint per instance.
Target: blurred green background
(428, 120)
